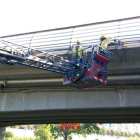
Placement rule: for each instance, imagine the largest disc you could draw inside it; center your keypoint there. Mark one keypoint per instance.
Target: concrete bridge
(33, 96)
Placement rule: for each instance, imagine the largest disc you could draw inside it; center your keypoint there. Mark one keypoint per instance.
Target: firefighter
(105, 42)
(78, 53)
(77, 50)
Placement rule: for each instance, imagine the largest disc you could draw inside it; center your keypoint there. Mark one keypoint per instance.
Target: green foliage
(137, 134)
(9, 134)
(117, 133)
(134, 138)
(112, 132)
(134, 135)
(85, 129)
(130, 134)
(121, 133)
(126, 134)
(108, 132)
(43, 132)
(103, 131)
(23, 138)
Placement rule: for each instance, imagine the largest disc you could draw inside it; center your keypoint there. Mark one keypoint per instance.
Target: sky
(21, 16)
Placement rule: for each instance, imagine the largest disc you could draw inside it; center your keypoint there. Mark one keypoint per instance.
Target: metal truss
(17, 54)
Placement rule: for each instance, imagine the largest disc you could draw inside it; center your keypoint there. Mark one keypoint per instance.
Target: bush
(23, 138)
(134, 138)
(9, 134)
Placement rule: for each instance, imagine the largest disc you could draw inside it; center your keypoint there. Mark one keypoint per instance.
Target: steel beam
(60, 80)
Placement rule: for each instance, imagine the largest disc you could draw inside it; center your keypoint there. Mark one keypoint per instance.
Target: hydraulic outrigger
(87, 71)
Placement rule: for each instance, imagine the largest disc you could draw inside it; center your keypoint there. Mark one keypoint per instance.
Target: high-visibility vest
(104, 43)
(79, 51)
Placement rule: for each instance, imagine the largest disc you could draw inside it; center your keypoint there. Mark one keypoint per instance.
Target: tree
(118, 133)
(101, 132)
(43, 132)
(130, 134)
(126, 134)
(85, 129)
(121, 133)
(9, 134)
(138, 134)
(105, 131)
(112, 132)
(108, 132)
(134, 135)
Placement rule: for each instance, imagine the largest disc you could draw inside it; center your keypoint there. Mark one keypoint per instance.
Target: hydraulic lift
(87, 71)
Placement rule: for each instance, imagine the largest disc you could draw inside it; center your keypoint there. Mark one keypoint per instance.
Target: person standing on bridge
(105, 42)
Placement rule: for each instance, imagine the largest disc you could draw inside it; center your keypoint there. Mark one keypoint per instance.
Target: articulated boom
(86, 71)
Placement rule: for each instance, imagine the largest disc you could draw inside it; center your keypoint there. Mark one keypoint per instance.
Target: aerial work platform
(87, 71)
(94, 72)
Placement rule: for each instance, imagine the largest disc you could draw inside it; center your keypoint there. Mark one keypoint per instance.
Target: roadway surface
(33, 96)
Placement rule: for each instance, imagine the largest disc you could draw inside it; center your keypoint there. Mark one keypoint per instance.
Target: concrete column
(2, 132)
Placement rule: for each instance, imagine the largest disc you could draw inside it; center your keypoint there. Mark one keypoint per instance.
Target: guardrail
(127, 29)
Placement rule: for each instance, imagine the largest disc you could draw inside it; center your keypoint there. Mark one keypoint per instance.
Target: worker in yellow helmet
(105, 42)
(77, 50)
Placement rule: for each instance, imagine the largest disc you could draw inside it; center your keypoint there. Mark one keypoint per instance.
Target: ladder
(18, 54)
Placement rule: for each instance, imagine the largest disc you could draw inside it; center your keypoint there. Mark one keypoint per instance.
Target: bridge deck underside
(99, 115)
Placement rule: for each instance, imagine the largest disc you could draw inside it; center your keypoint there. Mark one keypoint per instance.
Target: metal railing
(127, 29)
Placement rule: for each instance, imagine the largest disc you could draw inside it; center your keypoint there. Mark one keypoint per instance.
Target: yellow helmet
(78, 41)
(103, 36)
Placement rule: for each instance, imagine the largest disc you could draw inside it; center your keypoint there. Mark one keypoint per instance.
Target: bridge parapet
(126, 30)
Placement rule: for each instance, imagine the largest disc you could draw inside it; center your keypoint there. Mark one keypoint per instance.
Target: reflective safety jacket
(104, 43)
(77, 51)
